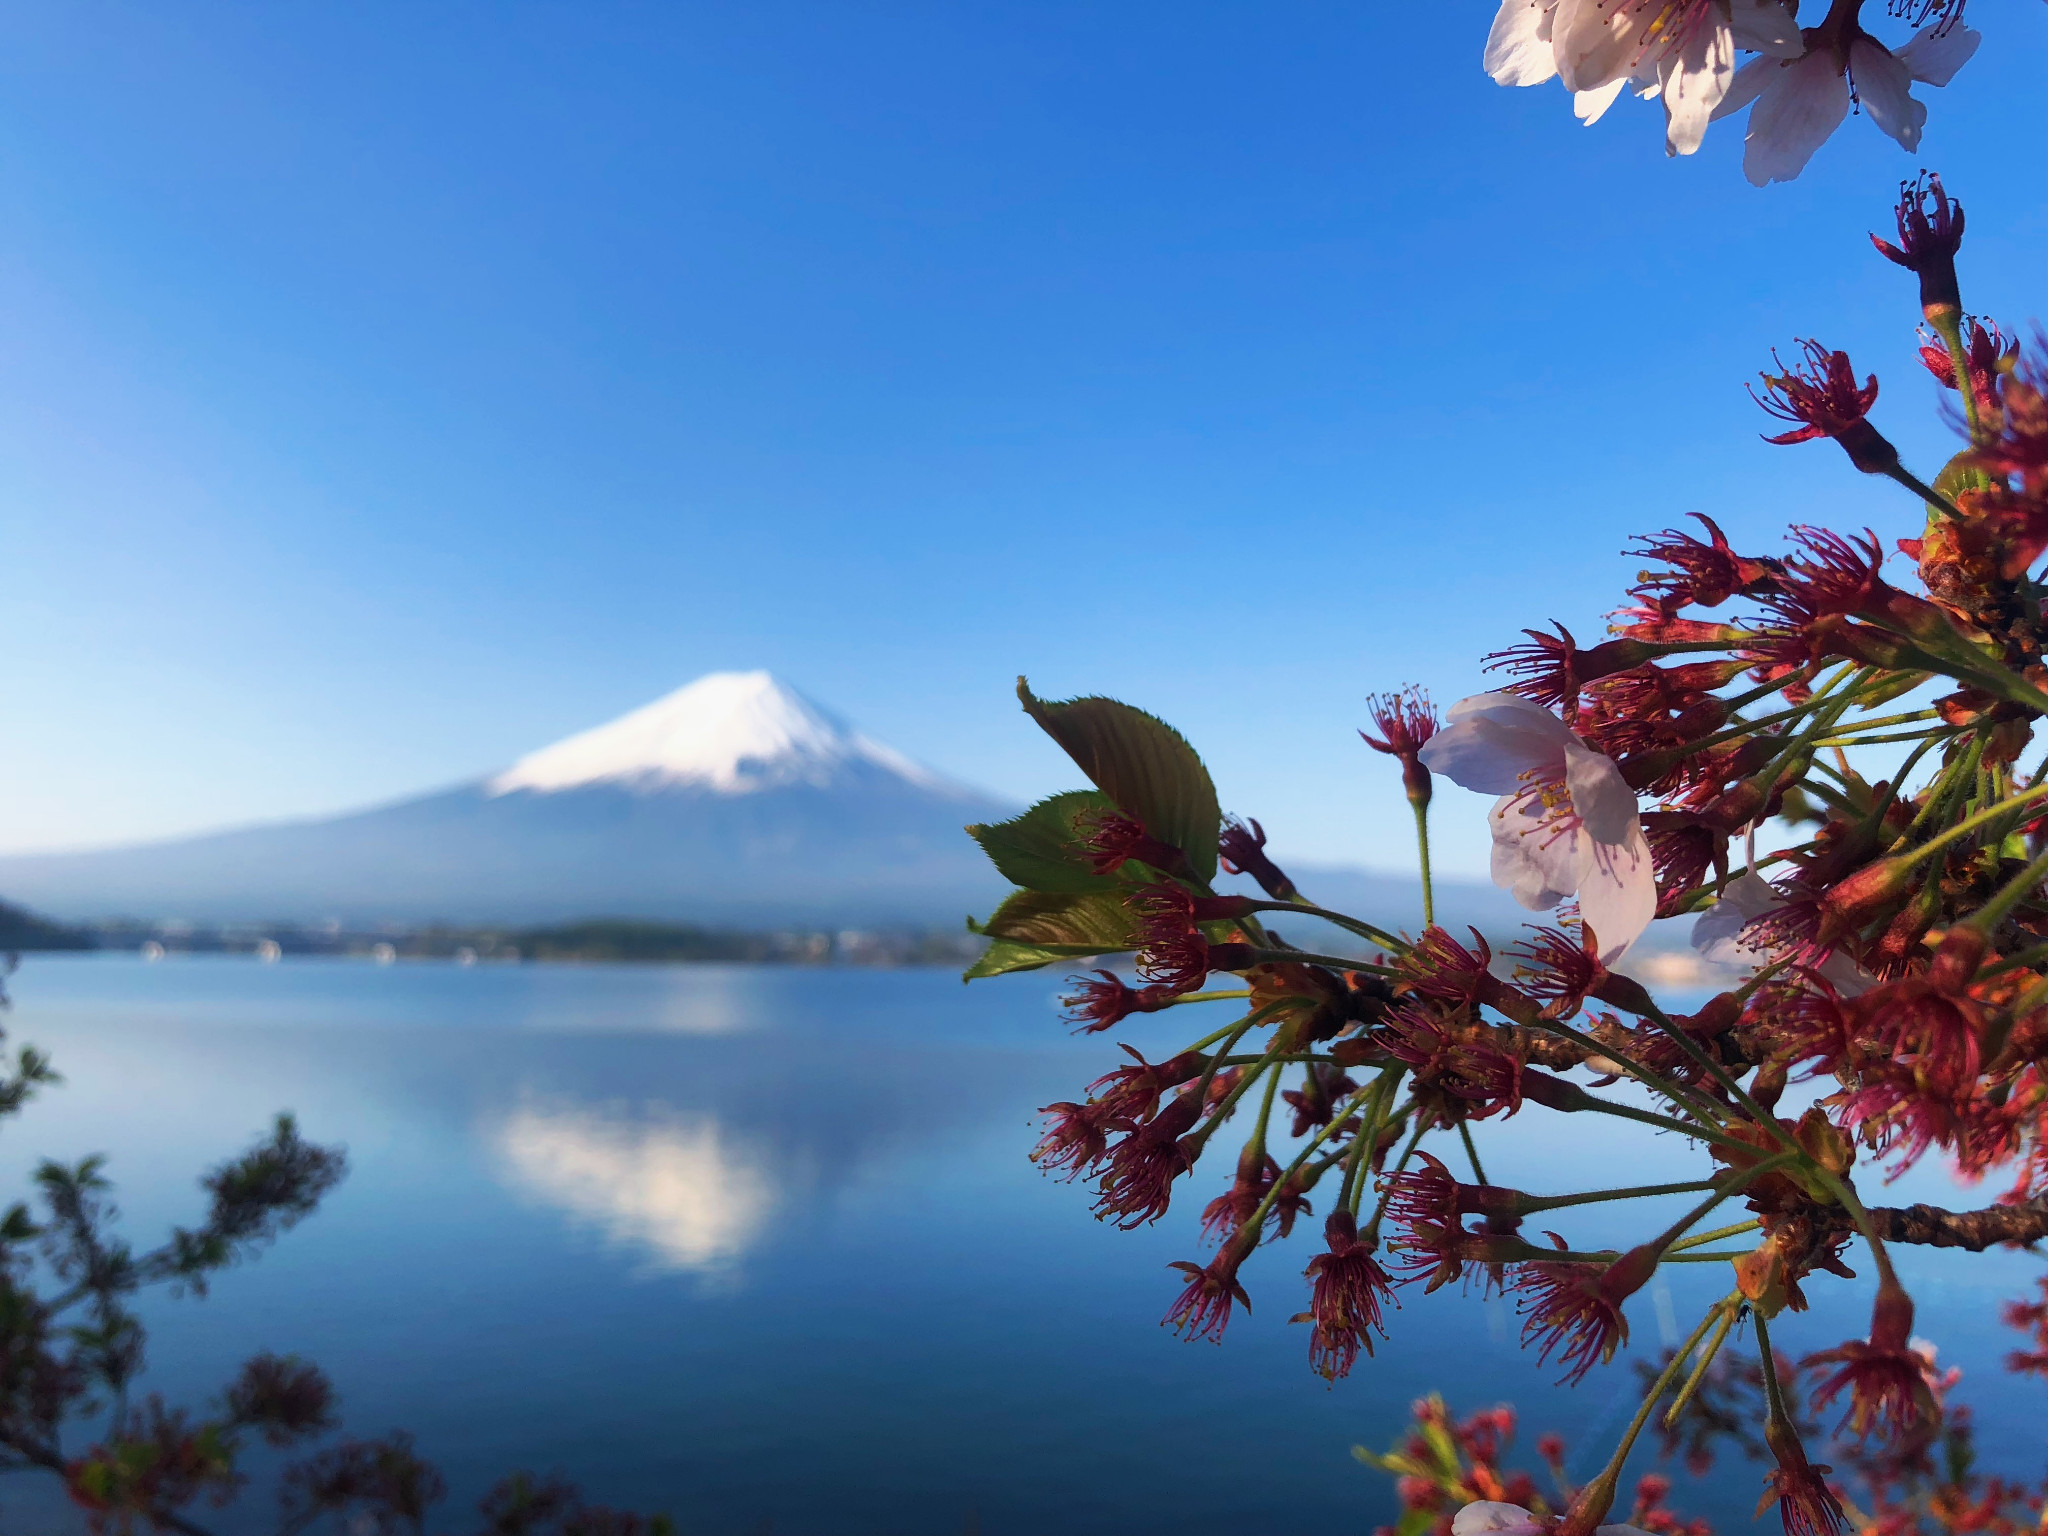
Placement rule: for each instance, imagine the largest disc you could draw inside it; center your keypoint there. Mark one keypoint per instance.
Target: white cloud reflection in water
(673, 1186)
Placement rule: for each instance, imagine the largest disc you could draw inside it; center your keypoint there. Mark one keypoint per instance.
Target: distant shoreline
(589, 941)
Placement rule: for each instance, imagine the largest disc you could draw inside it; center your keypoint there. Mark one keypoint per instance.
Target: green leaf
(1004, 956)
(1961, 474)
(1083, 923)
(1041, 849)
(1143, 764)
(1035, 928)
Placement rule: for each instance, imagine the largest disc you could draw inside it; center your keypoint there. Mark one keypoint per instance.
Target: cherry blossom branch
(1973, 1231)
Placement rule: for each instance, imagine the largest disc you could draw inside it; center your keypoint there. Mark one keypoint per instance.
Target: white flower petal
(1885, 87)
(1597, 41)
(1490, 1515)
(1748, 84)
(1518, 48)
(1618, 895)
(1483, 703)
(1717, 934)
(1765, 26)
(1804, 103)
(1933, 56)
(1695, 79)
(1845, 975)
(1591, 106)
(1491, 753)
(1539, 864)
(1599, 794)
(1493, 739)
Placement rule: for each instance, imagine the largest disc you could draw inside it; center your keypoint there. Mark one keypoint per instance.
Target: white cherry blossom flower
(1722, 935)
(1566, 821)
(1799, 102)
(1682, 51)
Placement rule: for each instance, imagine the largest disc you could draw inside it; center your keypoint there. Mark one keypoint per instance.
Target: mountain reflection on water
(676, 1187)
(763, 1248)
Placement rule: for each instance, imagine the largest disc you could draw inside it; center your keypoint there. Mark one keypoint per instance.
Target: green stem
(1309, 957)
(1422, 850)
(2025, 959)
(1846, 1194)
(1678, 1096)
(1698, 1132)
(1372, 1228)
(1941, 790)
(1721, 1075)
(1949, 327)
(1610, 1478)
(1927, 493)
(1730, 1308)
(1733, 1186)
(1199, 1138)
(2008, 896)
(1880, 741)
(1266, 1110)
(1385, 1086)
(1774, 1395)
(1472, 1152)
(1358, 926)
(1258, 1219)
(1969, 824)
(1716, 1235)
(1641, 1192)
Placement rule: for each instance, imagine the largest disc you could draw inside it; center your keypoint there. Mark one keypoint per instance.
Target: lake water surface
(761, 1247)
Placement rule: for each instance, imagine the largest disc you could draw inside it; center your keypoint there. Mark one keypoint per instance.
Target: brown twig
(1975, 1231)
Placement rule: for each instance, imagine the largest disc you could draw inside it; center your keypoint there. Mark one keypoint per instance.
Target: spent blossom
(1821, 398)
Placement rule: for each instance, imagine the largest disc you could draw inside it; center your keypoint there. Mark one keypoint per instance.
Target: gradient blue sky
(386, 390)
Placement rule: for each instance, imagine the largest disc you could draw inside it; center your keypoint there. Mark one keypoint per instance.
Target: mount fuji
(733, 800)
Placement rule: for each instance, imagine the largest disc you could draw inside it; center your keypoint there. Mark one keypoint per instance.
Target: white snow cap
(731, 732)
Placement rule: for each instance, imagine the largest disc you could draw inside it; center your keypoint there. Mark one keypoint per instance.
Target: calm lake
(761, 1247)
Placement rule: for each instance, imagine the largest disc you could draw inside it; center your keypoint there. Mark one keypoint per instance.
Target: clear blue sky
(386, 390)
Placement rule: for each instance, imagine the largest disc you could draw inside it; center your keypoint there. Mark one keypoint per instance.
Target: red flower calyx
(1930, 231)
(1113, 839)
(1100, 1005)
(1822, 397)
(1345, 1304)
(1406, 722)
(1242, 851)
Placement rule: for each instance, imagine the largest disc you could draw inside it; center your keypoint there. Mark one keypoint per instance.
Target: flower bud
(1858, 899)
(1215, 909)
(1891, 1315)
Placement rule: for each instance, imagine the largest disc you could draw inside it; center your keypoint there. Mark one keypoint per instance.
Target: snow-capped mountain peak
(729, 732)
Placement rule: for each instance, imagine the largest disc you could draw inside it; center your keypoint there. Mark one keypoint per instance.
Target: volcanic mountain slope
(733, 799)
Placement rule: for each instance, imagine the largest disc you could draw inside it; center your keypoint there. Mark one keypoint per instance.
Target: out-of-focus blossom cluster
(1450, 1479)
